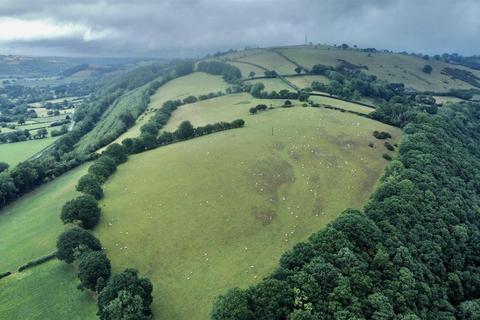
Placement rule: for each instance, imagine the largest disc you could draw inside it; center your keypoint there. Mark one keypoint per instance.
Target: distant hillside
(387, 66)
(24, 66)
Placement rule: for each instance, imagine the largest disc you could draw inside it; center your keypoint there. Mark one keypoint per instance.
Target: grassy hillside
(218, 211)
(306, 81)
(272, 84)
(29, 227)
(342, 104)
(194, 84)
(386, 66)
(14, 153)
(46, 292)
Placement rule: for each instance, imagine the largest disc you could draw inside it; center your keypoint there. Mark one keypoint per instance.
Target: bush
(84, 209)
(382, 135)
(75, 241)
(287, 104)
(388, 146)
(185, 130)
(386, 156)
(117, 152)
(92, 266)
(90, 184)
(427, 68)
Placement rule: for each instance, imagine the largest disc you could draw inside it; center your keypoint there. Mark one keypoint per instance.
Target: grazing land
(194, 84)
(306, 81)
(342, 104)
(48, 291)
(29, 227)
(183, 232)
(274, 84)
(386, 66)
(14, 153)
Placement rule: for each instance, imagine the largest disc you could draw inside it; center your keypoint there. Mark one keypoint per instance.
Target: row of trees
(185, 131)
(227, 71)
(412, 253)
(121, 296)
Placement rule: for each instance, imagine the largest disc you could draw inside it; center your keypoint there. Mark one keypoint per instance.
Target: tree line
(120, 296)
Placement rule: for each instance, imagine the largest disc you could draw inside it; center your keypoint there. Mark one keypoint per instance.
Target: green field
(386, 66)
(269, 60)
(341, 104)
(202, 216)
(306, 81)
(29, 227)
(273, 84)
(14, 153)
(247, 68)
(46, 292)
(193, 84)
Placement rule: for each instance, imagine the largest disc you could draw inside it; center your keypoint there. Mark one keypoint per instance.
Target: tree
(128, 281)
(126, 307)
(92, 266)
(253, 110)
(117, 152)
(3, 166)
(84, 209)
(251, 74)
(232, 306)
(71, 243)
(103, 167)
(185, 130)
(90, 184)
(427, 68)
(298, 70)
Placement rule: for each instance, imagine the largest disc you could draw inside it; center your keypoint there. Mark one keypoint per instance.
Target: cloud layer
(183, 27)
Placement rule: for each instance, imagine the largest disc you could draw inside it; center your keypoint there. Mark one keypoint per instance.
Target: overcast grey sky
(180, 27)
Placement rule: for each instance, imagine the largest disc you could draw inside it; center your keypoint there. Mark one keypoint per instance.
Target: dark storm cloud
(120, 27)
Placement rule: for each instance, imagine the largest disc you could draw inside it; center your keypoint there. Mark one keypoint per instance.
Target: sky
(183, 28)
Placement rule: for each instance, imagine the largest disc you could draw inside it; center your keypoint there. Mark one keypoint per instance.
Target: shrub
(73, 242)
(427, 68)
(386, 156)
(381, 135)
(287, 104)
(84, 209)
(388, 146)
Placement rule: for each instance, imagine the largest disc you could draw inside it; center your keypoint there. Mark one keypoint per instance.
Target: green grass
(29, 227)
(194, 84)
(272, 84)
(306, 81)
(45, 292)
(341, 104)
(247, 68)
(202, 216)
(386, 66)
(270, 60)
(14, 153)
